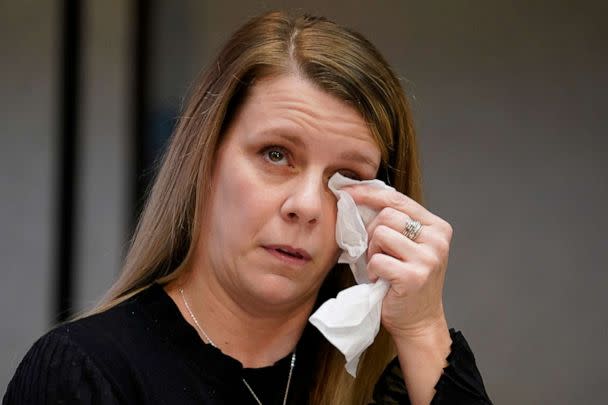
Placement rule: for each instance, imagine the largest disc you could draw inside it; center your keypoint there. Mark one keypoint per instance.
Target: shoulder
(84, 361)
(57, 370)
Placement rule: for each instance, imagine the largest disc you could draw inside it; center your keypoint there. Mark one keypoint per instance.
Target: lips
(289, 253)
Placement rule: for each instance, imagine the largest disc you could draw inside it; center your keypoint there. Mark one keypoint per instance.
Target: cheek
(242, 202)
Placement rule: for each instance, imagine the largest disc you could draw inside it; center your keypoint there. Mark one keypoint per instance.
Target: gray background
(510, 101)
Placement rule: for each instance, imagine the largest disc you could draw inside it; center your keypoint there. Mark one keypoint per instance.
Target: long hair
(339, 61)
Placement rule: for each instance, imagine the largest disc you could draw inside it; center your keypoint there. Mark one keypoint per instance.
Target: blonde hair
(339, 61)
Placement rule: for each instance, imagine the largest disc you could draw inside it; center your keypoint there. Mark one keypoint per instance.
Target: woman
(236, 245)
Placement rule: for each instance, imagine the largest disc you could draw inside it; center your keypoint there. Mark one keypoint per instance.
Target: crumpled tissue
(351, 321)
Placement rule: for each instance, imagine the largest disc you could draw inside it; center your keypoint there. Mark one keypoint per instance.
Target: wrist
(423, 354)
(432, 337)
(421, 331)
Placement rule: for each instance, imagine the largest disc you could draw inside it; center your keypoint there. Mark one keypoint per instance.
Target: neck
(256, 336)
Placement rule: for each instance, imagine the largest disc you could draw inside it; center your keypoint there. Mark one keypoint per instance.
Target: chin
(275, 290)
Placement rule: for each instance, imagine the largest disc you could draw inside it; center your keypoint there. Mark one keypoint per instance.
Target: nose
(304, 201)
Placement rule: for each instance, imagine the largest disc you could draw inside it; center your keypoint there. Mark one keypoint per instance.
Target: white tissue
(351, 321)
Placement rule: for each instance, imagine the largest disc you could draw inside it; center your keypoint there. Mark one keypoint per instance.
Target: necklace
(200, 329)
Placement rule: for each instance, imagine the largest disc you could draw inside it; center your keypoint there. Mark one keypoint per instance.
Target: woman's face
(270, 233)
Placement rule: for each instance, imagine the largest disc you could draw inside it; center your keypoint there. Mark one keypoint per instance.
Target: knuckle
(420, 278)
(374, 262)
(431, 258)
(380, 231)
(443, 245)
(395, 199)
(446, 228)
(449, 230)
(393, 213)
(371, 248)
(385, 214)
(434, 261)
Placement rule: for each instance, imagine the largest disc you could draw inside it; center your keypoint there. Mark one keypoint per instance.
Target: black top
(144, 352)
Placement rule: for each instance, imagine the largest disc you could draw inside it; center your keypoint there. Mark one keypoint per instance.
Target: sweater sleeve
(459, 384)
(57, 371)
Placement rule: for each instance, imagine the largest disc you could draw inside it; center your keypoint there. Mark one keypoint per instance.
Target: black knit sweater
(144, 352)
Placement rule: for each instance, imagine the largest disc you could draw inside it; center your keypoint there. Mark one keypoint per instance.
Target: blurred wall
(105, 155)
(509, 99)
(30, 51)
(29, 57)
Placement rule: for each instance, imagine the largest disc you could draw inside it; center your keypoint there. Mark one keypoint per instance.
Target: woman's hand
(412, 311)
(415, 269)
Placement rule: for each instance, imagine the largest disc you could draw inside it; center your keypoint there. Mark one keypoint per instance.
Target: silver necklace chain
(200, 329)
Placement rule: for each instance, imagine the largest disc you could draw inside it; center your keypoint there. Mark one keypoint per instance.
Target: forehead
(296, 107)
(294, 94)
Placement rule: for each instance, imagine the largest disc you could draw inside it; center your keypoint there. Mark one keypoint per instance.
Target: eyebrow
(353, 156)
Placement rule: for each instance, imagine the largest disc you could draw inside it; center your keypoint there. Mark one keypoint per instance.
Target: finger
(387, 240)
(405, 278)
(394, 219)
(380, 198)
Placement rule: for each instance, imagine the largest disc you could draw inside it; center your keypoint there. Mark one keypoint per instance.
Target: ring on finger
(412, 229)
